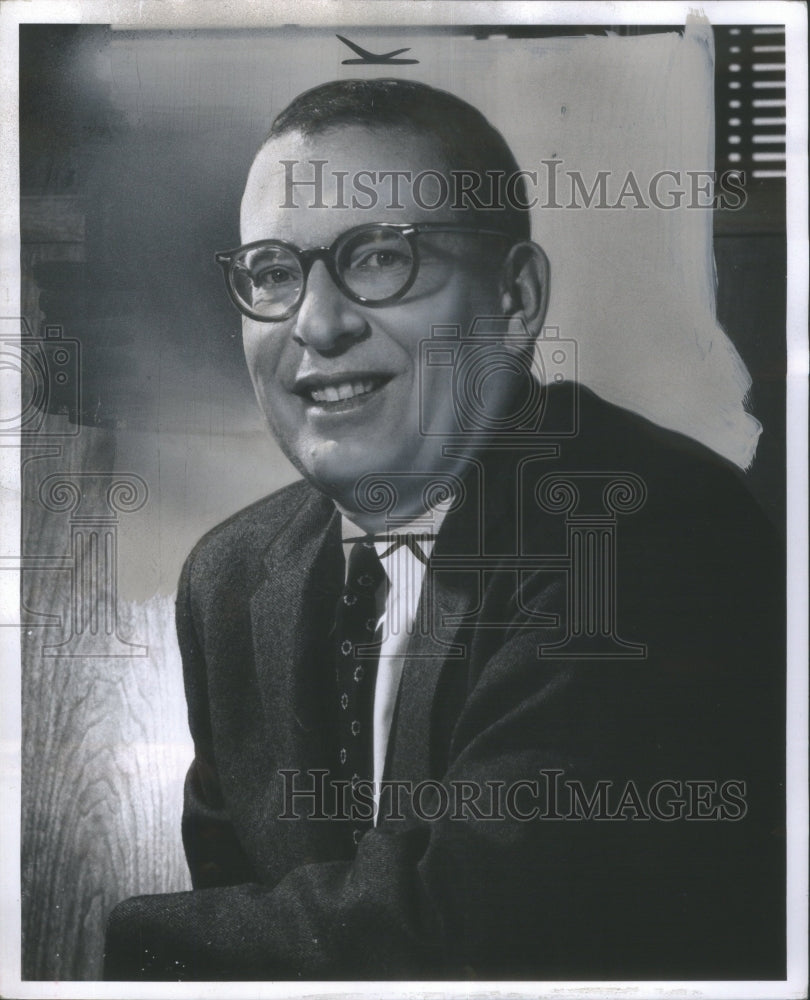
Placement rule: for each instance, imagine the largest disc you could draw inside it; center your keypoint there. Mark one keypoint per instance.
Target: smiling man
(332, 342)
(474, 698)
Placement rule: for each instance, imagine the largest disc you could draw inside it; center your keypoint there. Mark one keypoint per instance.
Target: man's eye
(271, 276)
(380, 260)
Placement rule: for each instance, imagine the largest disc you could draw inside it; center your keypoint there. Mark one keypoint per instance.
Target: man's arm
(508, 896)
(214, 854)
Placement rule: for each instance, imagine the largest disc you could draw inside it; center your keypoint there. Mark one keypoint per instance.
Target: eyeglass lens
(268, 279)
(374, 264)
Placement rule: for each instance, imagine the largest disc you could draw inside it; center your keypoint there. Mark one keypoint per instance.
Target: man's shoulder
(607, 431)
(241, 540)
(675, 470)
(672, 501)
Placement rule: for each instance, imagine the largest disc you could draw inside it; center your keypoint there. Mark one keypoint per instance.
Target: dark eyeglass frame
(306, 258)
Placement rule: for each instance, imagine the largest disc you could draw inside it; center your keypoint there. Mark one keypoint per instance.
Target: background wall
(134, 149)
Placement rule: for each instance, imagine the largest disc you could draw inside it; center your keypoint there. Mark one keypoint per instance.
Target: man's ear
(525, 285)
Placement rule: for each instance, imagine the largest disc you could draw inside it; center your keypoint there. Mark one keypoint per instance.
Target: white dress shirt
(406, 574)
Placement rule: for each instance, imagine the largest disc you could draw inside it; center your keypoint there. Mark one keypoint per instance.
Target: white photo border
(164, 14)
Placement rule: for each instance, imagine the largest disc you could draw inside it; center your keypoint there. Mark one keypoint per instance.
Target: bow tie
(408, 538)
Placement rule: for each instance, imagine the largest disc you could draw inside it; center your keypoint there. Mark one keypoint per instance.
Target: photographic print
(404, 463)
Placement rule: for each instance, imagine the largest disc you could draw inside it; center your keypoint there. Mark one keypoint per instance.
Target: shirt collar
(386, 542)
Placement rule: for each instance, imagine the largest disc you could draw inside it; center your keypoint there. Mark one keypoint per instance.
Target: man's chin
(368, 491)
(347, 473)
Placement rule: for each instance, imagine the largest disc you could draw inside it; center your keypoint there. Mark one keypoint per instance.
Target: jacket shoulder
(237, 544)
(683, 480)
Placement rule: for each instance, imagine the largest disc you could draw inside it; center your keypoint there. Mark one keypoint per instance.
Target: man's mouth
(341, 393)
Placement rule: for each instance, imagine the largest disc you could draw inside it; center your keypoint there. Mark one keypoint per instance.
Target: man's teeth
(344, 390)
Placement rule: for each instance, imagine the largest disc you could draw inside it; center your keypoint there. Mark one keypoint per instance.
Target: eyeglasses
(372, 265)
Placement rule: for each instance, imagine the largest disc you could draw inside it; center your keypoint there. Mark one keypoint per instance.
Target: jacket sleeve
(213, 852)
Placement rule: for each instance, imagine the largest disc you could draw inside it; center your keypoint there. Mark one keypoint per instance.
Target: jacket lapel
(436, 674)
(437, 653)
(431, 657)
(292, 612)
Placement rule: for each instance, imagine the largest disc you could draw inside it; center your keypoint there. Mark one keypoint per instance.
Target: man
(539, 636)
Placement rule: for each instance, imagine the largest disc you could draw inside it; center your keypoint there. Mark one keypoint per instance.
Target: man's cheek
(434, 409)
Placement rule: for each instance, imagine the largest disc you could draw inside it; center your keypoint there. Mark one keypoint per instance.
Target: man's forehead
(360, 146)
(348, 176)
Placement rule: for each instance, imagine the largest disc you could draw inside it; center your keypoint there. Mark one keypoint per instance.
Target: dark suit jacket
(491, 693)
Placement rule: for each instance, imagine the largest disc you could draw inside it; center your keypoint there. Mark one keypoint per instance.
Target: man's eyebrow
(267, 246)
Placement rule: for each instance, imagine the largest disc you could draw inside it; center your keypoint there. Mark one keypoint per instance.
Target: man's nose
(326, 319)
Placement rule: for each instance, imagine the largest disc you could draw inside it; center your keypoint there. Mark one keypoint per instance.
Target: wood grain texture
(105, 747)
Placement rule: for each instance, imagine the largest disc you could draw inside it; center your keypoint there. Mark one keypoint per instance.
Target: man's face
(340, 382)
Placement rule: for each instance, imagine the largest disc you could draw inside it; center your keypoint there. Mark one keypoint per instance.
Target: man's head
(333, 346)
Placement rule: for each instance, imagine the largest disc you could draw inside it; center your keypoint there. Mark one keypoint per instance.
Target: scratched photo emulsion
(402, 462)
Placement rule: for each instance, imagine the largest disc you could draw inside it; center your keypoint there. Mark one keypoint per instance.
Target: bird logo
(374, 58)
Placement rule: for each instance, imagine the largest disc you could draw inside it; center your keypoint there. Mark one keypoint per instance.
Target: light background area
(141, 141)
(158, 131)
